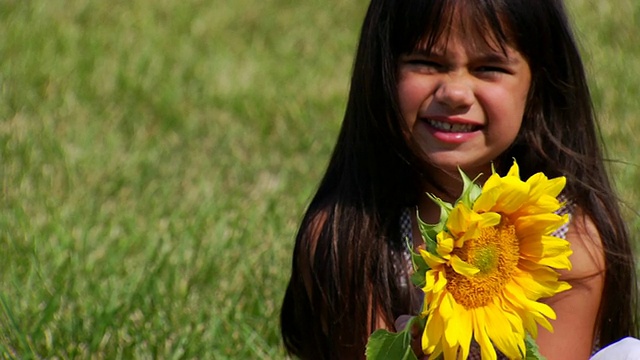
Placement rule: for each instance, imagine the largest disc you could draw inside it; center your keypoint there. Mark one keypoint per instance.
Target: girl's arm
(577, 308)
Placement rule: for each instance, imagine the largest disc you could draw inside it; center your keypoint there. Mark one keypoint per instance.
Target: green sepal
(430, 231)
(470, 190)
(385, 345)
(533, 353)
(420, 267)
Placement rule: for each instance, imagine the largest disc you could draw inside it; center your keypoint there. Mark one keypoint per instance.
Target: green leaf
(385, 345)
(533, 353)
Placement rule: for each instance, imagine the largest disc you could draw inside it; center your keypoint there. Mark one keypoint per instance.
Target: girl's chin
(451, 167)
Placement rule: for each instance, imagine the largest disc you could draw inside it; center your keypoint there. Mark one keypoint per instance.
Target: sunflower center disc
(495, 252)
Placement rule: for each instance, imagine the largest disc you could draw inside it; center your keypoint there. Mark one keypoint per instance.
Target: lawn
(156, 158)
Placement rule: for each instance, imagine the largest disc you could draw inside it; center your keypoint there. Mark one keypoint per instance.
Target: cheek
(505, 103)
(406, 99)
(406, 93)
(411, 96)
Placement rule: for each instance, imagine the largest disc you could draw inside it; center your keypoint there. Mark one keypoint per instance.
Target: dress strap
(567, 208)
(406, 230)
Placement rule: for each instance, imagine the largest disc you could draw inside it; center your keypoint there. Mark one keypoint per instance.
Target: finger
(401, 322)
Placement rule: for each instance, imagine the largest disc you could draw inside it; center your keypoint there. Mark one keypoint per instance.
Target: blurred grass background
(156, 157)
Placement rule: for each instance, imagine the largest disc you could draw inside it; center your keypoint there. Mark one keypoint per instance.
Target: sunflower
(489, 261)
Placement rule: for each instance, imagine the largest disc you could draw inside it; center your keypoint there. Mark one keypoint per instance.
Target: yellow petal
(533, 289)
(515, 193)
(433, 331)
(430, 278)
(514, 170)
(530, 325)
(459, 220)
(480, 335)
(441, 283)
(541, 312)
(558, 262)
(431, 260)
(537, 225)
(545, 204)
(488, 198)
(473, 232)
(544, 246)
(562, 286)
(537, 183)
(446, 306)
(435, 281)
(532, 248)
(476, 224)
(545, 273)
(489, 219)
(515, 295)
(541, 185)
(501, 333)
(451, 331)
(436, 353)
(462, 267)
(516, 298)
(494, 181)
(512, 315)
(463, 325)
(536, 309)
(449, 351)
(445, 243)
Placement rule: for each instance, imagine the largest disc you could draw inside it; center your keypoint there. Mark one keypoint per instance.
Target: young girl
(439, 85)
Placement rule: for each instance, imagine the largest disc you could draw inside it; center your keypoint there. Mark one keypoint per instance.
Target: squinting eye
(426, 63)
(492, 69)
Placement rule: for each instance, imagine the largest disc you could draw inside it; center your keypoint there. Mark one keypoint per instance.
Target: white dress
(625, 349)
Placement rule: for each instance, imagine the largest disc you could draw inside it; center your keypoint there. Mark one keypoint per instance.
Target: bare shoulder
(577, 308)
(588, 254)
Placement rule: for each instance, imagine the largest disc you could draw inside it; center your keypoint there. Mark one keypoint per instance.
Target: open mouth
(452, 127)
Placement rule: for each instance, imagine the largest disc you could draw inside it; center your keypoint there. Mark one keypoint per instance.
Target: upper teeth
(450, 127)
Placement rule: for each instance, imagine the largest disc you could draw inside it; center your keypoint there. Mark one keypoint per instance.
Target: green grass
(156, 157)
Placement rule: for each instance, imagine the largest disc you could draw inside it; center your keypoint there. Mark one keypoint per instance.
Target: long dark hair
(349, 268)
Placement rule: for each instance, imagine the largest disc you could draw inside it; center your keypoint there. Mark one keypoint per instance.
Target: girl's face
(463, 102)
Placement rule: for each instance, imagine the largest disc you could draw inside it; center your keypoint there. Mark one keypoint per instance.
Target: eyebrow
(488, 56)
(497, 58)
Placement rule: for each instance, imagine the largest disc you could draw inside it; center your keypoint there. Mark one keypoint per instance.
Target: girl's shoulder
(586, 243)
(588, 255)
(577, 308)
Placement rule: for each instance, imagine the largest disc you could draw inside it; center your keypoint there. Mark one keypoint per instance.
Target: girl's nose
(454, 94)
